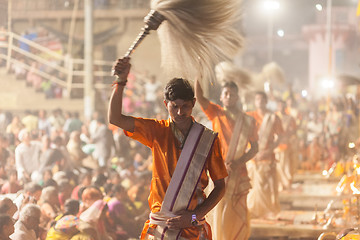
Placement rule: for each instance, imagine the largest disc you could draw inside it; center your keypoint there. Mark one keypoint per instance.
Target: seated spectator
(65, 228)
(49, 205)
(18, 69)
(4, 152)
(12, 185)
(71, 207)
(28, 224)
(65, 189)
(85, 181)
(95, 215)
(90, 195)
(121, 218)
(7, 207)
(14, 128)
(6, 227)
(27, 155)
(31, 194)
(74, 147)
(33, 78)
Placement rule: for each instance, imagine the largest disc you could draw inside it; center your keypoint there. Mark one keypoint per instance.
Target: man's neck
(232, 109)
(261, 111)
(184, 127)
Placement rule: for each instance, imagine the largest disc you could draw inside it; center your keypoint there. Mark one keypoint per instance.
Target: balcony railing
(64, 71)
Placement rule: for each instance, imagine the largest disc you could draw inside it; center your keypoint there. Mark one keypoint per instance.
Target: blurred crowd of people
(72, 177)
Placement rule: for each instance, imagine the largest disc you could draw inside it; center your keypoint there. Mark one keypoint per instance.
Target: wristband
(194, 220)
(119, 82)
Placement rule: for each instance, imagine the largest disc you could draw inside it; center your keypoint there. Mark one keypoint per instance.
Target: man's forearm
(214, 197)
(115, 111)
(199, 94)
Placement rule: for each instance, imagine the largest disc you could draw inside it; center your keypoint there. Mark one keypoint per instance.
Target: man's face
(229, 97)
(33, 221)
(260, 101)
(180, 110)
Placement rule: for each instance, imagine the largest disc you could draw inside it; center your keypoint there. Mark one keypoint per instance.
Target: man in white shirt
(27, 155)
(28, 223)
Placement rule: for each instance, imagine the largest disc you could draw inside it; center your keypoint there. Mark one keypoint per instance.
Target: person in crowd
(121, 218)
(315, 126)
(6, 227)
(167, 138)
(12, 185)
(65, 189)
(72, 122)
(65, 228)
(104, 143)
(33, 79)
(14, 128)
(44, 125)
(90, 195)
(7, 207)
(84, 181)
(27, 227)
(315, 155)
(57, 119)
(236, 130)
(151, 88)
(30, 121)
(263, 199)
(96, 216)
(31, 194)
(4, 151)
(49, 206)
(49, 156)
(65, 163)
(286, 151)
(74, 147)
(27, 156)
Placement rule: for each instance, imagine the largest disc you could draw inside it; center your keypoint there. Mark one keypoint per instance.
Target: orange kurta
(158, 136)
(277, 128)
(223, 124)
(233, 207)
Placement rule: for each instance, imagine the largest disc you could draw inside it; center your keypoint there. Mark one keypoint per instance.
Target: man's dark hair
(4, 205)
(263, 94)
(230, 84)
(4, 220)
(178, 88)
(32, 187)
(71, 206)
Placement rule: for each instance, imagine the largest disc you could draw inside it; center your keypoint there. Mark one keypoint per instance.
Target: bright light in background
(319, 7)
(270, 5)
(304, 93)
(280, 33)
(351, 145)
(327, 83)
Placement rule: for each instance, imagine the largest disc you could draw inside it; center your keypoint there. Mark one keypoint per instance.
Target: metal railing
(62, 70)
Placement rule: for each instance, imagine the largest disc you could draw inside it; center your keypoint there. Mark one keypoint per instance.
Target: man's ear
(165, 103)
(194, 101)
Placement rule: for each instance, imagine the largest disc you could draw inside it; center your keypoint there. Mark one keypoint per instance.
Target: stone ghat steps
(16, 96)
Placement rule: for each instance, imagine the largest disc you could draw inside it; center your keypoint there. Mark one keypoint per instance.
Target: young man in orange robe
(236, 130)
(263, 199)
(166, 138)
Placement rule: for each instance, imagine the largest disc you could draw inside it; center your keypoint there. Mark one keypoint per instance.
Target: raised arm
(199, 94)
(122, 68)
